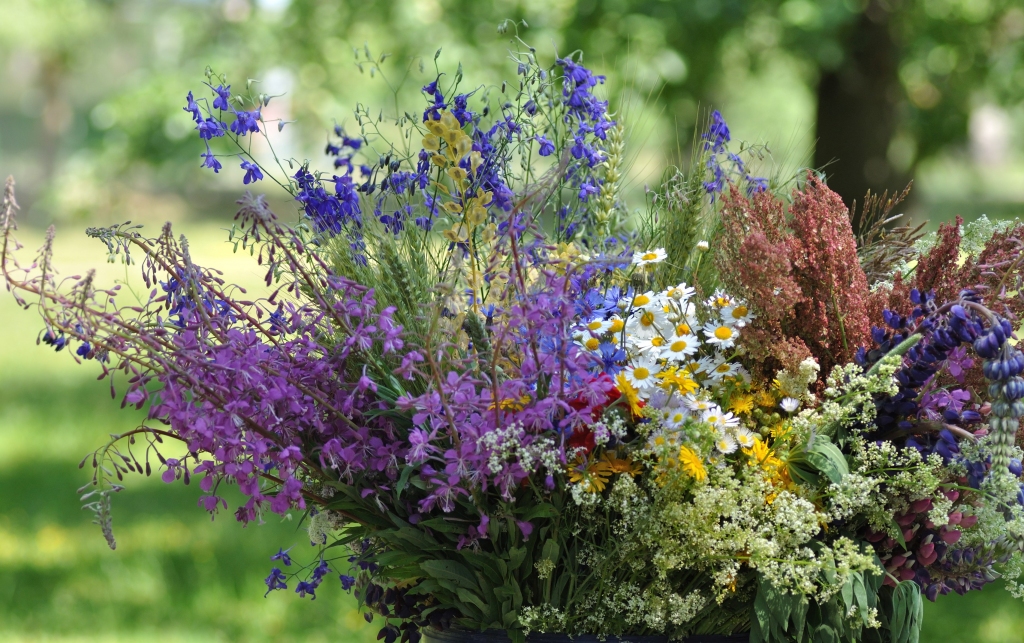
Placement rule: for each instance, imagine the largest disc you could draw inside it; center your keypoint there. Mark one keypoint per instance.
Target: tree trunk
(857, 110)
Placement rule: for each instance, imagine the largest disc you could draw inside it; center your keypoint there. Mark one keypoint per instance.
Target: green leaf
(828, 459)
(440, 524)
(451, 571)
(403, 480)
(899, 534)
(516, 556)
(550, 550)
(543, 510)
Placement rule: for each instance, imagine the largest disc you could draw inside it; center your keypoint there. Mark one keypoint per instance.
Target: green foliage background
(91, 124)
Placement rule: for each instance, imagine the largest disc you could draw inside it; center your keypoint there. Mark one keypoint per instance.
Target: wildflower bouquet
(500, 403)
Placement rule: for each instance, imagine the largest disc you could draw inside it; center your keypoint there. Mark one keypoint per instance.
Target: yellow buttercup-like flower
(677, 378)
(692, 464)
(631, 395)
(742, 403)
(592, 476)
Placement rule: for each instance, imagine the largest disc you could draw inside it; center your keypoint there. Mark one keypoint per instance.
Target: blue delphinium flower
(223, 96)
(587, 188)
(192, 108)
(210, 161)
(252, 172)
(275, 581)
(282, 555)
(210, 128)
(717, 136)
(547, 148)
(246, 122)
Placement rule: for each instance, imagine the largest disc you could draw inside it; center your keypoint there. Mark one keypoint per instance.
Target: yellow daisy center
(617, 325)
(723, 368)
(593, 343)
(650, 256)
(683, 329)
(723, 333)
(641, 373)
(647, 318)
(739, 312)
(658, 341)
(679, 345)
(594, 325)
(641, 300)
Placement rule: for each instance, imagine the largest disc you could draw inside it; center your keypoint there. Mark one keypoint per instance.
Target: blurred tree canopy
(895, 80)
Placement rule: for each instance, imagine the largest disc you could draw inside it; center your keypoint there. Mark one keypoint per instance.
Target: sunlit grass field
(176, 576)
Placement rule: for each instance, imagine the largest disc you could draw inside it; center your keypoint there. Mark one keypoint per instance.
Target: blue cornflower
(275, 581)
(246, 122)
(223, 96)
(282, 555)
(611, 358)
(347, 582)
(547, 148)
(252, 172)
(210, 128)
(192, 108)
(210, 161)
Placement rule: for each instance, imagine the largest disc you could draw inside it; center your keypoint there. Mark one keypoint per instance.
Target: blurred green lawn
(176, 576)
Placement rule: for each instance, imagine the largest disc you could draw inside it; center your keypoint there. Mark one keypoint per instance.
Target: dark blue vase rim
(499, 636)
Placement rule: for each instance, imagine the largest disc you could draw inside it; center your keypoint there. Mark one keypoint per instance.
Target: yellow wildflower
(692, 464)
(621, 465)
(742, 403)
(677, 378)
(631, 395)
(592, 476)
(764, 398)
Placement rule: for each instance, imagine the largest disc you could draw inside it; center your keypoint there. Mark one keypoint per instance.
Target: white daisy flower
(641, 374)
(720, 300)
(721, 335)
(615, 325)
(696, 404)
(680, 293)
(651, 256)
(646, 323)
(737, 315)
(719, 419)
(789, 404)
(589, 342)
(704, 366)
(725, 443)
(643, 300)
(654, 346)
(722, 370)
(703, 246)
(678, 348)
(598, 326)
(676, 418)
(745, 437)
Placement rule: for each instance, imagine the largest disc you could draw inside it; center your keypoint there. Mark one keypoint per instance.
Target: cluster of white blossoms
(668, 340)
